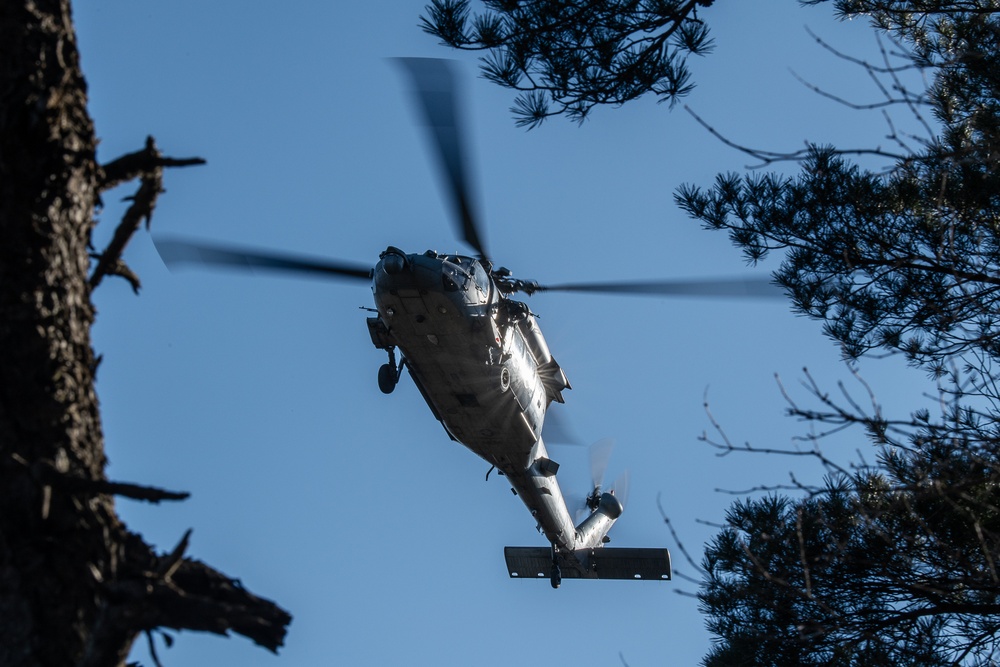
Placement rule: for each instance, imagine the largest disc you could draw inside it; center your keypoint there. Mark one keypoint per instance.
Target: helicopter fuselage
(484, 368)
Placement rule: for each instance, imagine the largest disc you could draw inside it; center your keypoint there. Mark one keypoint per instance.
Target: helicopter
(477, 355)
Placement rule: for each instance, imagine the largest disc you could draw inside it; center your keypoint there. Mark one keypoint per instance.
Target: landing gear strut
(388, 374)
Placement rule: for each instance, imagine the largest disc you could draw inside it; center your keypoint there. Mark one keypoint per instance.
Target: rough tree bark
(76, 586)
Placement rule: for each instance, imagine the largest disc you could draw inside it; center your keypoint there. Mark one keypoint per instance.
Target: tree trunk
(76, 587)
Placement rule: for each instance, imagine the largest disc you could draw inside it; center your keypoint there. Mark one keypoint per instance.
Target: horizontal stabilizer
(602, 563)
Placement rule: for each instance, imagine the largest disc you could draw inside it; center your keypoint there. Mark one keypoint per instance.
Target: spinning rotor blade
(434, 89)
(600, 456)
(620, 488)
(176, 252)
(557, 430)
(734, 287)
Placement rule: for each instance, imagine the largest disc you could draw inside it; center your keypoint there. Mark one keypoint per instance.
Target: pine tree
(576, 55)
(895, 562)
(76, 585)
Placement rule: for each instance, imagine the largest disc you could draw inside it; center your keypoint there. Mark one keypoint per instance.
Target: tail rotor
(600, 457)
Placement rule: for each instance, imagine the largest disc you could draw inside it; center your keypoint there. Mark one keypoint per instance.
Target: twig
(770, 157)
(675, 536)
(173, 560)
(152, 649)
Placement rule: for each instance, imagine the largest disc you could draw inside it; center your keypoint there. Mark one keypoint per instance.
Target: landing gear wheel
(388, 374)
(556, 579)
(387, 378)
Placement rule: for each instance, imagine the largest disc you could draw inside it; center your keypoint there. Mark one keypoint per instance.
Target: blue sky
(258, 394)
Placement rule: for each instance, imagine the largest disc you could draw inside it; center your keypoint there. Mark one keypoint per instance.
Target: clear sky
(258, 394)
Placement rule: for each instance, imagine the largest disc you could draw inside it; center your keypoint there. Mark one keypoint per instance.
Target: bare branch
(766, 157)
(147, 165)
(677, 540)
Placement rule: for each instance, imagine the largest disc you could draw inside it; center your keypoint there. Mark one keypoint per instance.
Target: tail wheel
(556, 578)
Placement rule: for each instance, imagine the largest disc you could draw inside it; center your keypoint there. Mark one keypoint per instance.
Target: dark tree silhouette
(895, 562)
(577, 55)
(892, 563)
(76, 585)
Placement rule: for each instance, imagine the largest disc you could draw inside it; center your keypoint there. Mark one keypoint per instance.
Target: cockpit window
(460, 272)
(454, 277)
(482, 278)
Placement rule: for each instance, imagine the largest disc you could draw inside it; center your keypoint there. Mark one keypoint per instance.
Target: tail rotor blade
(620, 488)
(178, 252)
(435, 91)
(600, 456)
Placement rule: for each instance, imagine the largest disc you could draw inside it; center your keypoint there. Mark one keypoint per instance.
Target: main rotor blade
(733, 287)
(557, 430)
(176, 252)
(435, 93)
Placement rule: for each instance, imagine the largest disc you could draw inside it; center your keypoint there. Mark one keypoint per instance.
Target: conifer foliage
(897, 561)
